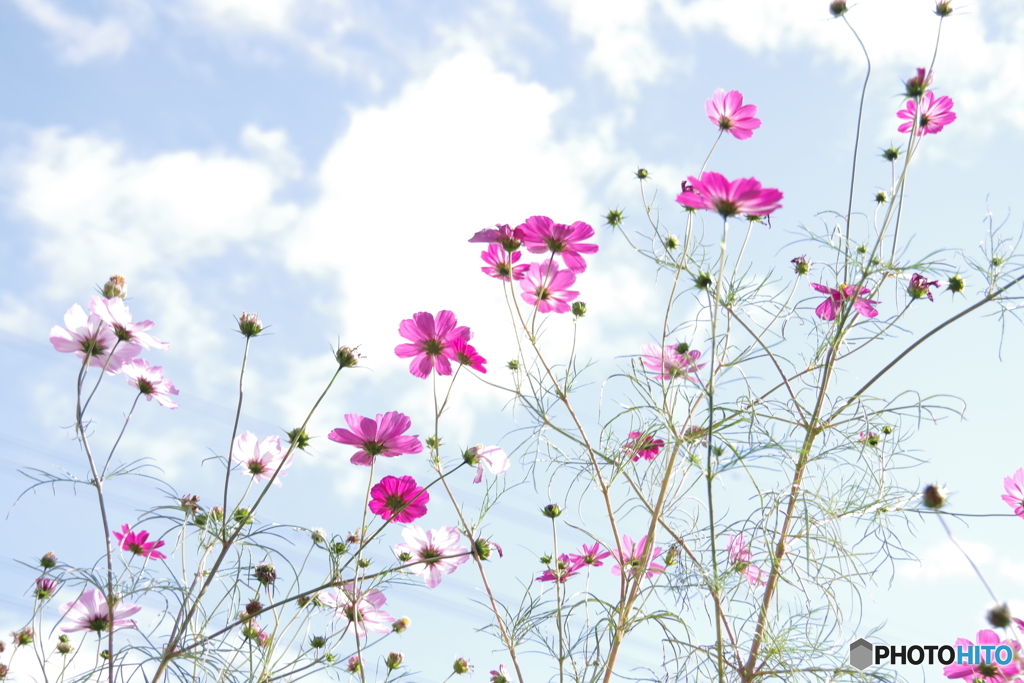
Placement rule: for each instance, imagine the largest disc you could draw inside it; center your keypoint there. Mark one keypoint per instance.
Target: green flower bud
(551, 511)
(642, 174)
(250, 325)
(114, 287)
(614, 218)
(579, 309)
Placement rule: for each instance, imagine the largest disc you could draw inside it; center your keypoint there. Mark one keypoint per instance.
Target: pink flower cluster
(435, 343)
(629, 561)
(928, 113)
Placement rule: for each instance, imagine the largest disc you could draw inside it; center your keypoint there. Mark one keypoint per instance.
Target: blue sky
(323, 162)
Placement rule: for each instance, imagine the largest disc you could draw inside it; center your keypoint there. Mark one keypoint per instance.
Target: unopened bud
(917, 85)
(250, 325)
(299, 438)
(943, 8)
(265, 574)
(642, 174)
(800, 265)
(23, 637)
(671, 242)
(400, 625)
(703, 281)
(579, 309)
(881, 197)
(115, 287)
(892, 153)
(64, 645)
(355, 664)
(253, 607)
(614, 218)
(999, 616)
(189, 504)
(317, 642)
(512, 365)
(48, 561)
(934, 496)
(837, 8)
(956, 284)
(551, 510)
(243, 516)
(347, 356)
(393, 660)
(461, 666)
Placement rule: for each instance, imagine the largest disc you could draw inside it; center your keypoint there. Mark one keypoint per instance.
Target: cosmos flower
(669, 363)
(829, 308)
(433, 549)
(932, 116)
(740, 557)
(261, 459)
(138, 543)
(399, 499)
(547, 287)
(540, 234)
(491, 458)
(714, 192)
(1014, 487)
(150, 382)
(631, 557)
(383, 436)
(641, 445)
(727, 111)
(91, 612)
(431, 340)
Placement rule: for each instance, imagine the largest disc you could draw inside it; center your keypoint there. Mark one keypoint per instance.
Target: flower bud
(189, 504)
(579, 309)
(265, 574)
(318, 536)
(48, 561)
(461, 666)
(671, 242)
(551, 511)
(483, 548)
(45, 588)
(317, 642)
(114, 287)
(888, 429)
(512, 365)
(934, 496)
(881, 197)
(399, 625)
(870, 438)
(800, 265)
(243, 516)
(364, 562)
(837, 8)
(943, 8)
(433, 442)
(545, 559)
(999, 616)
(642, 174)
(23, 637)
(672, 556)
(918, 85)
(4, 670)
(682, 348)
(355, 664)
(64, 645)
(393, 660)
(250, 325)
(703, 281)
(338, 548)
(956, 284)
(347, 356)
(614, 218)
(216, 513)
(253, 607)
(303, 600)
(892, 153)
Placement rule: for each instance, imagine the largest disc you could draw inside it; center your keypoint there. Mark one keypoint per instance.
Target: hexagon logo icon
(860, 654)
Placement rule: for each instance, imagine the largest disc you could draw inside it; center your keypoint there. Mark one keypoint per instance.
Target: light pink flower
(564, 567)
(727, 111)
(490, 457)
(261, 459)
(363, 610)
(641, 445)
(547, 287)
(88, 335)
(669, 363)
(712, 191)
(501, 263)
(433, 548)
(150, 381)
(989, 671)
(465, 354)
(933, 115)
(115, 313)
(90, 612)
(541, 234)
(399, 499)
(632, 556)
(383, 436)
(829, 308)
(740, 557)
(138, 543)
(1014, 497)
(431, 341)
(499, 234)
(591, 555)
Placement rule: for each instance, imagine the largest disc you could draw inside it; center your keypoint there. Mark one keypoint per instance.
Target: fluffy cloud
(78, 40)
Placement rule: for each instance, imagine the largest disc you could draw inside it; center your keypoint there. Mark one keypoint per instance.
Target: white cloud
(945, 561)
(79, 40)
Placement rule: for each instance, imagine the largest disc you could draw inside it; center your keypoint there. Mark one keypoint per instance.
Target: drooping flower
(591, 555)
(91, 612)
(829, 308)
(540, 234)
(641, 445)
(631, 558)
(90, 336)
(502, 263)
(933, 115)
(917, 85)
(261, 459)
(740, 558)
(150, 381)
(399, 499)
(465, 354)
(115, 313)
(138, 543)
(547, 287)
(1014, 487)
(431, 342)
(500, 676)
(713, 192)
(362, 609)
(919, 287)
(434, 549)
(491, 458)
(669, 362)
(499, 234)
(988, 670)
(565, 566)
(383, 436)
(727, 111)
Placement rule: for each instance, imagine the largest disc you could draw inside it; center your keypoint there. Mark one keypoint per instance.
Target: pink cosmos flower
(434, 549)
(565, 566)
(45, 588)
(669, 363)
(727, 111)
(988, 671)
(383, 436)
(642, 445)
(116, 314)
(399, 499)
(743, 195)
(1014, 497)
(829, 308)
(491, 458)
(139, 544)
(933, 115)
(501, 263)
(261, 459)
(91, 612)
(632, 556)
(547, 287)
(363, 610)
(920, 287)
(591, 555)
(431, 341)
(740, 557)
(463, 352)
(499, 234)
(500, 676)
(541, 234)
(150, 382)
(89, 335)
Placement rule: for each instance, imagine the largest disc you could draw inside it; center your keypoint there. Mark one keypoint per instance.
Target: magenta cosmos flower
(362, 609)
(383, 436)
(90, 336)
(491, 458)
(499, 234)
(829, 308)
(138, 543)
(640, 445)
(433, 549)
(591, 555)
(1014, 497)
(500, 675)
(399, 499)
(564, 567)
(631, 558)
(261, 459)
(669, 363)
(988, 671)
(547, 287)
(727, 111)
(465, 354)
(501, 263)
(150, 382)
(920, 287)
(712, 191)
(116, 314)
(431, 341)
(90, 612)
(740, 557)
(540, 234)
(933, 115)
